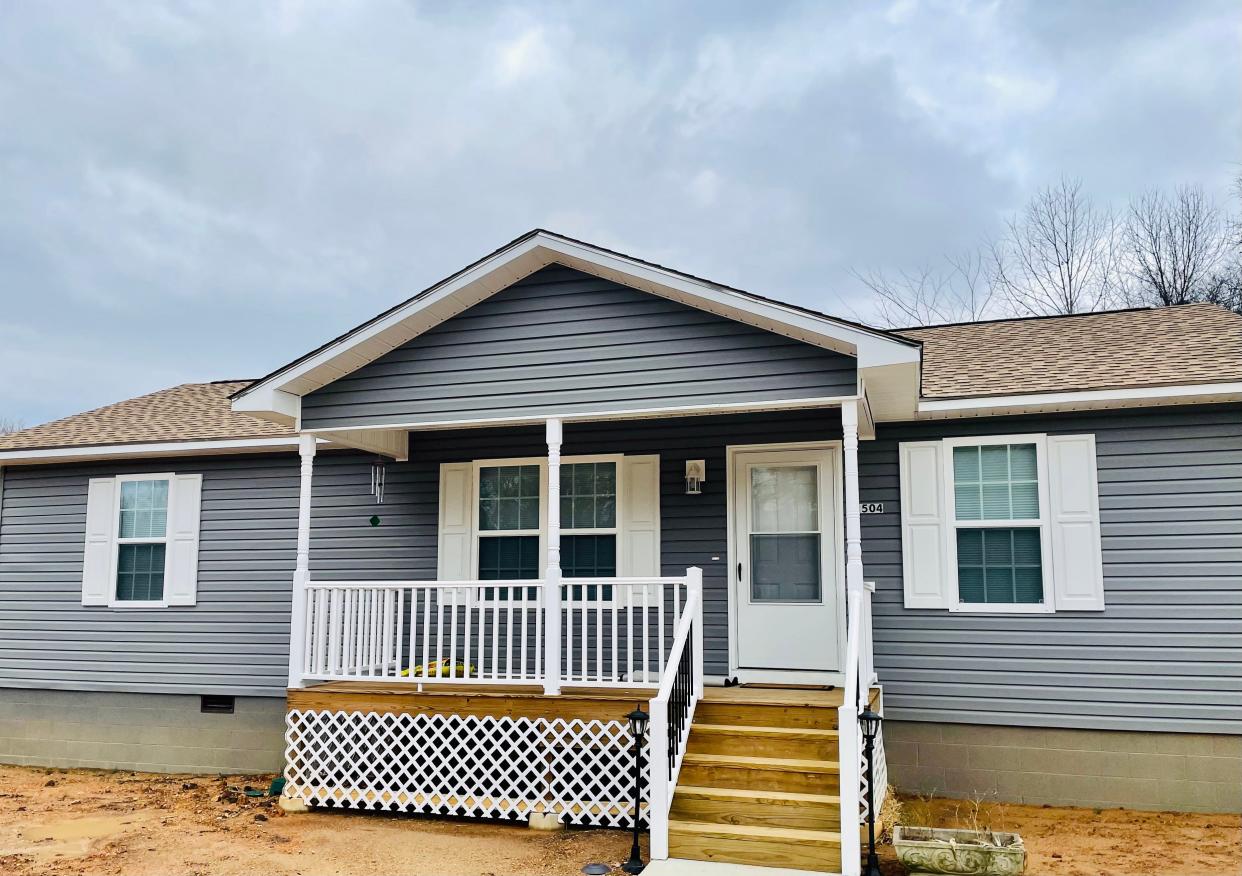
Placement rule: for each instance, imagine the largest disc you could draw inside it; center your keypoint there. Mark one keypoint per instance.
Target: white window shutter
(97, 558)
(1077, 562)
(640, 517)
(455, 553)
(925, 529)
(181, 567)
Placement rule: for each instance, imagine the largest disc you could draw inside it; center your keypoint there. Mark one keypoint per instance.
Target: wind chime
(378, 472)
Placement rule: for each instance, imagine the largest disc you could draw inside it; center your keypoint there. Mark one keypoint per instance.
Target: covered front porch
(424, 677)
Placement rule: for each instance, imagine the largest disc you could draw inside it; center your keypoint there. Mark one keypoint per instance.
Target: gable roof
(277, 394)
(1167, 346)
(185, 413)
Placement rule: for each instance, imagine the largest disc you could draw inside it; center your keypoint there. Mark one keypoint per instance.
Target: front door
(784, 510)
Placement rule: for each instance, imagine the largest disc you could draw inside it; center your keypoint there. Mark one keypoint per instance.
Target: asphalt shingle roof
(1193, 343)
(189, 412)
(1167, 346)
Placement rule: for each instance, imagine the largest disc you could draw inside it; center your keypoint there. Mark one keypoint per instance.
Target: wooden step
(759, 773)
(763, 846)
(756, 808)
(775, 711)
(799, 743)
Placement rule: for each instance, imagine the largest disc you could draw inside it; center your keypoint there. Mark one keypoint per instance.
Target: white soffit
(278, 393)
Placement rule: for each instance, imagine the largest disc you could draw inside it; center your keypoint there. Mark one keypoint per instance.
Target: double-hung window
(589, 525)
(999, 524)
(142, 539)
(1003, 523)
(141, 542)
(510, 524)
(493, 523)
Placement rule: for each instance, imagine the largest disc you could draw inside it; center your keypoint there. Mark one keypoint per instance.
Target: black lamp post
(871, 728)
(638, 729)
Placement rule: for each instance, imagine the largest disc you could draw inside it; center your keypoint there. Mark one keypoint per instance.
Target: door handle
(739, 573)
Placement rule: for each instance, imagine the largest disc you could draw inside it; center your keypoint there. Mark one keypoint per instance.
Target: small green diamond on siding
(374, 520)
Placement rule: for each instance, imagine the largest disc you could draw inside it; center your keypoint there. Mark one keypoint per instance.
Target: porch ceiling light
(696, 473)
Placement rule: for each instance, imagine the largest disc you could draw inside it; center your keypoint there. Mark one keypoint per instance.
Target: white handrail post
(851, 842)
(552, 575)
(301, 569)
(694, 594)
(657, 785)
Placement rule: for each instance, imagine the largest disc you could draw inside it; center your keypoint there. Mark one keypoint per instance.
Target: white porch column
(552, 574)
(853, 523)
(301, 569)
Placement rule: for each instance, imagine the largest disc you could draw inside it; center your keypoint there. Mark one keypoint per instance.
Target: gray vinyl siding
(1166, 654)
(235, 640)
(563, 342)
(692, 528)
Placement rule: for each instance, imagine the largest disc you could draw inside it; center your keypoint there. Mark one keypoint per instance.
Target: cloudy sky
(205, 190)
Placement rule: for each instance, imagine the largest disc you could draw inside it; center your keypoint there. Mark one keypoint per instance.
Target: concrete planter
(959, 852)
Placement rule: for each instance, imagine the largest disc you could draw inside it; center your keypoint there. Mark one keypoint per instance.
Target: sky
(200, 191)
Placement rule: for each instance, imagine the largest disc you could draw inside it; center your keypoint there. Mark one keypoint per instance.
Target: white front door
(785, 571)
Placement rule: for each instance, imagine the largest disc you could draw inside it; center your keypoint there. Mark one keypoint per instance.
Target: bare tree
(1175, 246)
(9, 425)
(957, 292)
(1058, 255)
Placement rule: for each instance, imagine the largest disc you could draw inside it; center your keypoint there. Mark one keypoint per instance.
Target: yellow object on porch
(441, 669)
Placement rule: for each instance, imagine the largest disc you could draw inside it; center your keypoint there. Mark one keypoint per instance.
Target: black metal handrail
(679, 700)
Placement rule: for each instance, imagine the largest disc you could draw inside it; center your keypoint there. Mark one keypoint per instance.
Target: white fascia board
(153, 449)
(1129, 397)
(529, 255)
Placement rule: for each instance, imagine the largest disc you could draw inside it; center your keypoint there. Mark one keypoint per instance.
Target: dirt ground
(1093, 842)
(94, 823)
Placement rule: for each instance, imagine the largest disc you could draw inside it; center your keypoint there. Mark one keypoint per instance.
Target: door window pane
(784, 568)
(996, 482)
(784, 498)
(508, 497)
(1000, 566)
(140, 572)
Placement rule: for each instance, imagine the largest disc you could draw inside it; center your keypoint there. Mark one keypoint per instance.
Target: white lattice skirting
(881, 779)
(485, 767)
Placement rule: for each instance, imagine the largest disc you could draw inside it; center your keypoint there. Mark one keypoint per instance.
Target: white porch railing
(860, 677)
(614, 631)
(672, 713)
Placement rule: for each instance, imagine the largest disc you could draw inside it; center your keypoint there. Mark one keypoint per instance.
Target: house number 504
(871, 507)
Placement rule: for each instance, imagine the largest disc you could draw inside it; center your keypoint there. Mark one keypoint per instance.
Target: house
(433, 564)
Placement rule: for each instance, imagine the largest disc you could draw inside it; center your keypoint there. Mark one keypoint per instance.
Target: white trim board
(153, 449)
(522, 258)
(1083, 400)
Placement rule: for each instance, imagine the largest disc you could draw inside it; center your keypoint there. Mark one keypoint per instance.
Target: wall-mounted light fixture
(696, 473)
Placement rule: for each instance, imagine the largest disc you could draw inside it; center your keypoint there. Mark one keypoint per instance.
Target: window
(142, 539)
(589, 525)
(997, 564)
(512, 520)
(510, 524)
(1005, 523)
